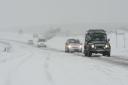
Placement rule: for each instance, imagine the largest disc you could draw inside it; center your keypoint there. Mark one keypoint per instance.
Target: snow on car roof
(96, 31)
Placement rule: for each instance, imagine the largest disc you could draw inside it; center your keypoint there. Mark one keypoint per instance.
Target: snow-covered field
(28, 65)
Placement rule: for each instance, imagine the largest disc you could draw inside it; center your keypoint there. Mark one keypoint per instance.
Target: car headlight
(92, 46)
(106, 46)
(80, 46)
(69, 46)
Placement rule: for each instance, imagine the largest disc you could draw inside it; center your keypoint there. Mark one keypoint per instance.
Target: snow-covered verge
(15, 36)
(4, 46)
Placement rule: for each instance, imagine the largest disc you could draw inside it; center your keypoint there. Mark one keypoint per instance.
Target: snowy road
(44, 66)
(114, 59)
(28, 65)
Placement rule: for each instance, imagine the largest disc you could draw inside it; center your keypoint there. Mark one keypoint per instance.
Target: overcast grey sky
(38, 12)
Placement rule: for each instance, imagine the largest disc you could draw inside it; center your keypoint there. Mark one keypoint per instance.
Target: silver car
(41, 43)
(73, 45)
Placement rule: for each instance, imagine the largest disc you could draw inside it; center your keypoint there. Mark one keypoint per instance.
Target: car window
(74, 41)
(41, 40)
(98, 37)
(87, 37)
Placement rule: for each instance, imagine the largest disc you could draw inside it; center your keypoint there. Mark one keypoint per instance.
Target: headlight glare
(80, 46)
(93, 46)
(69, 46)
(106, 46)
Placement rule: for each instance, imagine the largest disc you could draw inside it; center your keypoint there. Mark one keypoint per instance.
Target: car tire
(104, 54)
(81, 51)
(66, 50)
(85, 53)
(108, 54)
(89, 54)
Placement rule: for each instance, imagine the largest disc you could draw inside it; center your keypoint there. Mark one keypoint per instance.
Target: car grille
(99, 46)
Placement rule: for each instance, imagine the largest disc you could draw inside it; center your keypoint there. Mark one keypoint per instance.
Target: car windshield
(41, 40)
(98, 37)
(74, 41)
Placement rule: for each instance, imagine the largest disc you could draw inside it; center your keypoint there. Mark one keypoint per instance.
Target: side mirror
(66, 43)
(108, 40)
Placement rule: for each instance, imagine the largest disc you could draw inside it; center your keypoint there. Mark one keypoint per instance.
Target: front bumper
(41, 45)
(100, 50)
(75, 49)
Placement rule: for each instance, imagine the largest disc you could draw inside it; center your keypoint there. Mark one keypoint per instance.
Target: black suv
(96, 42)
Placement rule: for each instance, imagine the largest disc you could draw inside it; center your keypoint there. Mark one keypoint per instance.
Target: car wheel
(89, 54)
(80, 51)
(104, 53)
(85, 53)
(108, 54)
(66, 50)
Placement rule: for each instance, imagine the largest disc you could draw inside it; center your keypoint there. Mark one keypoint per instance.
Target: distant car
(73, 45)
(41, 43)
(30, 42)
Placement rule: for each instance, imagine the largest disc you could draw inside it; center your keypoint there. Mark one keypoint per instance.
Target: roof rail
(96, 30)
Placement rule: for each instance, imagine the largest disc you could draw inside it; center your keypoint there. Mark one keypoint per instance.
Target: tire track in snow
(112, 72)
(117, 60)
(111, 60)
(97, 57)
(46, 62)
(16, 67)
(18, 61)
(6, 59)
(105, 69)
(47, 70)
(46, 65)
